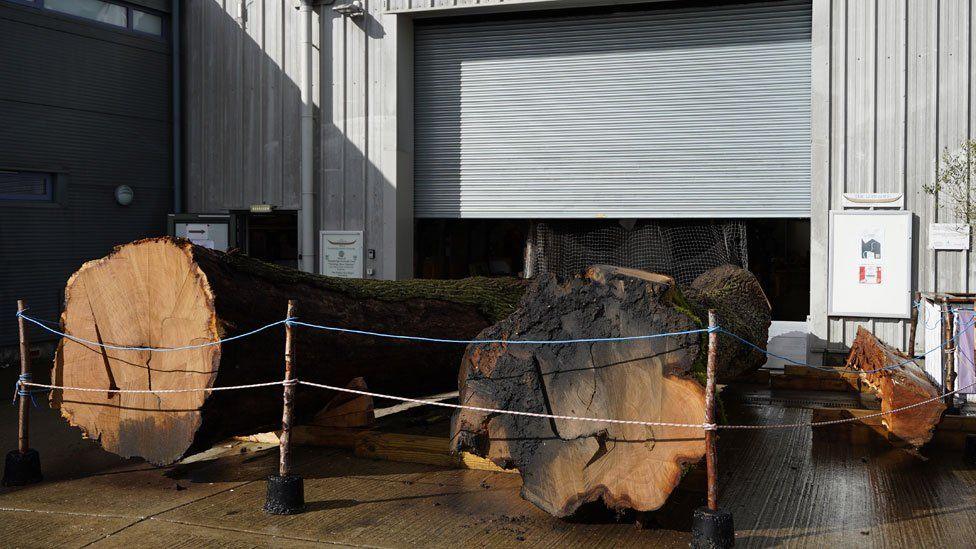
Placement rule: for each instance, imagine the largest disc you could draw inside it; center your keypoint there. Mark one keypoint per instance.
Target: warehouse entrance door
(271, 237)
(700, 111)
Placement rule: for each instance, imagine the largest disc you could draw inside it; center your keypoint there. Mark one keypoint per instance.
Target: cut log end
(567, 463)
(150, 295)
(166, 293)
(899, 382)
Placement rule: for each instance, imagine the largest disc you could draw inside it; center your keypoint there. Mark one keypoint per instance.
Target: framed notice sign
(869, 265)
(342, 253)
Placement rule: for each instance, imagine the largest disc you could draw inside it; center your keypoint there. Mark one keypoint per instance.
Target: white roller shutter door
(688, 112)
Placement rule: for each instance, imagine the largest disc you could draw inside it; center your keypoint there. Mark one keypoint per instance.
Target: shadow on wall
(243, 114)
(89, 107)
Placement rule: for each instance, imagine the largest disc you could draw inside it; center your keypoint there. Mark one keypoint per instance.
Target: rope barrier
(924, 317)
(703, 426)
(493, 341)
(157, 391)
(507, 412)
(294, 322)
(24, 380)
(748, 343)
(150, 349)
(849, 420)
(20, 389)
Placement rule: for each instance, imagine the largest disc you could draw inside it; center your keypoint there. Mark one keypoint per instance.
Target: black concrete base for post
(969, 451)
(286, 495)
(21, 469)
(712, 529)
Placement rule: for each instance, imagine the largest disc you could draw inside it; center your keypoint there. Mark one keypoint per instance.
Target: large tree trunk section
(902, 383)
(567, 463)
(168, 293)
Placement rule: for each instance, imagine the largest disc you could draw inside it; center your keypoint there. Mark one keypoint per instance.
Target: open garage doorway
(777, 251)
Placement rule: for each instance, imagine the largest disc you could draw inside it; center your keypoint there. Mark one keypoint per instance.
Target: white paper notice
(948, 236)
(199, 234)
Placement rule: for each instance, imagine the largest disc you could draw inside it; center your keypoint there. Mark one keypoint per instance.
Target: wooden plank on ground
(950, 433)
(420, 449)
(368, 443)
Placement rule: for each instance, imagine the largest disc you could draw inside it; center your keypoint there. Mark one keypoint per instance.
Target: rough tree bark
(902, 383)
(566, 463)
(167, 293)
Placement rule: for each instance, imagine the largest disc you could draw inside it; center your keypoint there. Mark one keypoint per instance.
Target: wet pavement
(785, 488)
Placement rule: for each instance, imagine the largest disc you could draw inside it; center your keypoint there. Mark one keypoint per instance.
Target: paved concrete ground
(785, 488)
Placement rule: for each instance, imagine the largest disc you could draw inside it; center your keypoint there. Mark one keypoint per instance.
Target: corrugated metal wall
(896, 89)
(243, 110)
(243, 106)
(666, 113)
(91, 104)
(892, 86)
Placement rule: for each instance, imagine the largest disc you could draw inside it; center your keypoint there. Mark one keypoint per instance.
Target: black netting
(680, 249)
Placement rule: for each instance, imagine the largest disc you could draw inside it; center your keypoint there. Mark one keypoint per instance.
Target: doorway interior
(270, 237)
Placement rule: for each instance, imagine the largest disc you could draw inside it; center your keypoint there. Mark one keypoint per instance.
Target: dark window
(96, 10)
(115, 13)
(35, 186)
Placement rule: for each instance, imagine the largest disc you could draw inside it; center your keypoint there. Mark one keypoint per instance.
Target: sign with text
(873, 200)
(342, 253)
(870, 264)
(948, 236)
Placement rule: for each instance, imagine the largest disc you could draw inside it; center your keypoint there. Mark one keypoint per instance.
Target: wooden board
(950, 433)
(401, 447)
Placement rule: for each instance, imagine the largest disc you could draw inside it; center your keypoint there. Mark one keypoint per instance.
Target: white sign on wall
(209, 235)
(342, 253)
(948, 236)
(873, 200)
(870, 263)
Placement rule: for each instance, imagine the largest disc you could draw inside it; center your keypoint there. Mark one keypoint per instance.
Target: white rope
(850, 419)
(499, 411)
(155, 391)
(703, 426)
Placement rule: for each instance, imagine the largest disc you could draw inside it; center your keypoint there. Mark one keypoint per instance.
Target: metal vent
(25, 186)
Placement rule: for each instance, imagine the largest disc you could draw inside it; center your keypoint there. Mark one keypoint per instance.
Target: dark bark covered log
(168, 293)
(567, 463)
(902, 383)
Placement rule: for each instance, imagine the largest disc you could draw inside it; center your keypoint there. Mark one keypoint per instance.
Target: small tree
(955, 184)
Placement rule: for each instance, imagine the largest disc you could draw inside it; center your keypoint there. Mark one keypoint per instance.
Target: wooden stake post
(711, 454)
(23, 436)
(284, 466)
(286, 492)
(914, 324)
(949, 353)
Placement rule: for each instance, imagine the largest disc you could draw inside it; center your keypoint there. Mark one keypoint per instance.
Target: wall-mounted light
(350, 9)
(124, 195)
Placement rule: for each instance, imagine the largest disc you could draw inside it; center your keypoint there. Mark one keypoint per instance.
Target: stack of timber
(565, 463)
(898, 382)
(166, 292)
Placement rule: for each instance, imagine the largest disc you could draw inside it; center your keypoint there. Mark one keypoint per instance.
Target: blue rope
(825, 369)
(293, 322)
(508, 341)
(151, 349)
(921, 313)
(20, 389)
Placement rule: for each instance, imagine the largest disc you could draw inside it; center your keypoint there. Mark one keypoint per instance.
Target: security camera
(350, 9)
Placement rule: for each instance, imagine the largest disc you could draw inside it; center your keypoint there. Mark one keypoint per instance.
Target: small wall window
(147, 22)
(96, 10)
(116, 13)
(30, 186)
